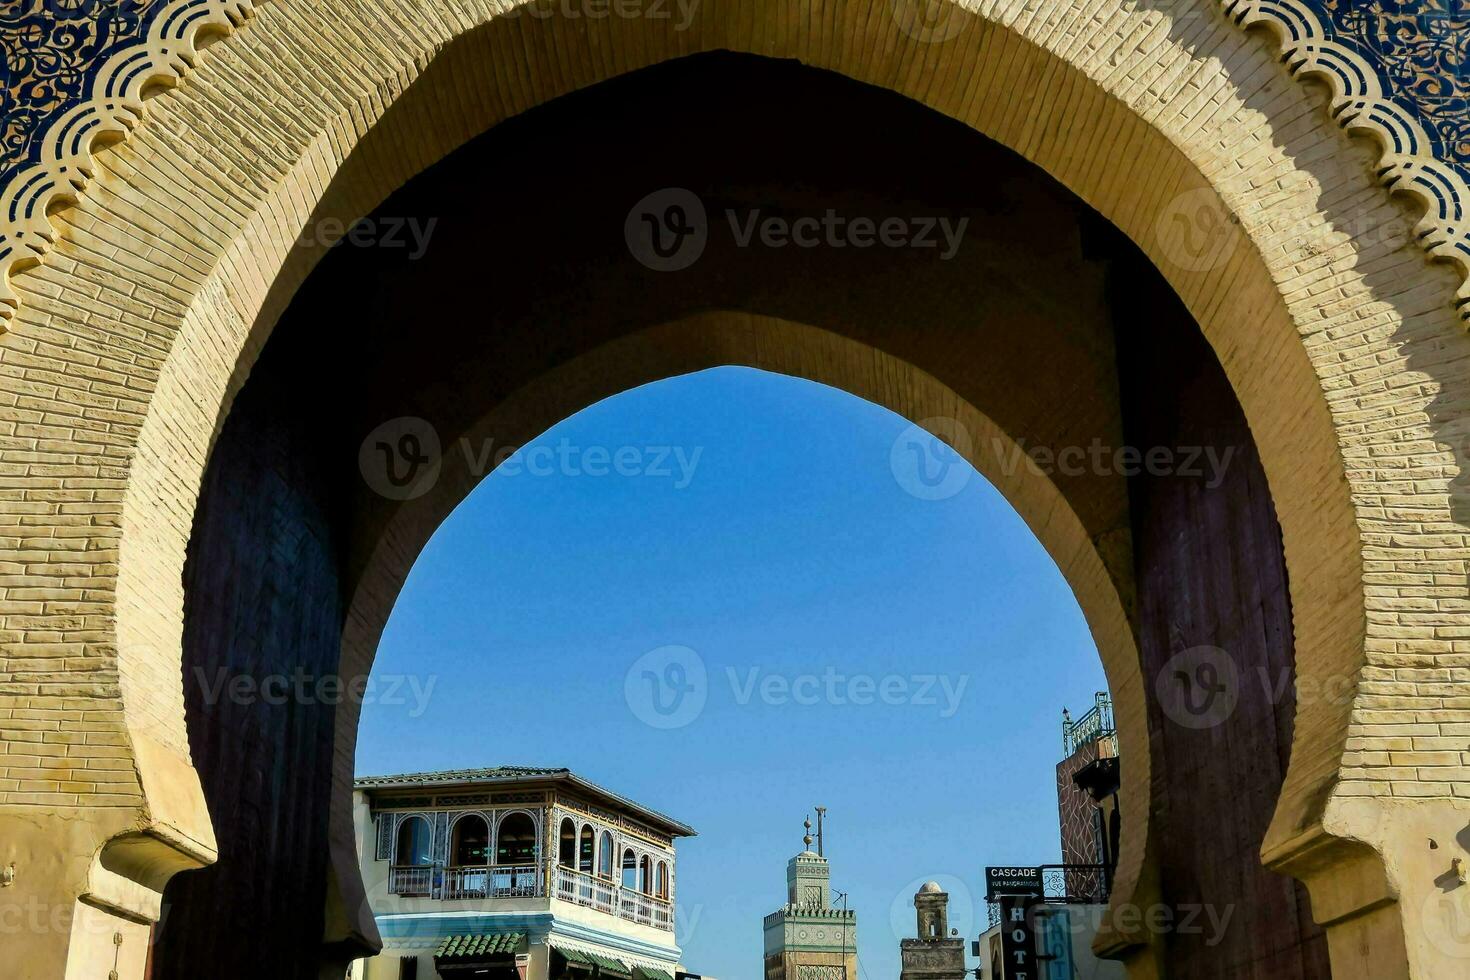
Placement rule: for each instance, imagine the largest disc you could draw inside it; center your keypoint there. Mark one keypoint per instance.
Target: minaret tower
(808, 939)
(935, 954)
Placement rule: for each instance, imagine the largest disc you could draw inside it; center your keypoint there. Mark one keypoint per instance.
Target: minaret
(808, 939)
(935, 955)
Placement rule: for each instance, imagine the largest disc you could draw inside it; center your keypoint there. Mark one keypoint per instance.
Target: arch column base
(63, 915)
(1385, 885)
(83, 886)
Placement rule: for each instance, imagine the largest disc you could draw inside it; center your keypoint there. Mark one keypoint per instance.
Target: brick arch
(1341, 346)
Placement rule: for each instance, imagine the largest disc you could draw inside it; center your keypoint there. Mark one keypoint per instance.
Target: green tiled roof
(650, 973)
(476, 946)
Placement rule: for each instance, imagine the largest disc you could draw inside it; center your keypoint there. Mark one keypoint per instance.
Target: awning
(574, 957)
(650, 973)
(460, 949)
(608, 966)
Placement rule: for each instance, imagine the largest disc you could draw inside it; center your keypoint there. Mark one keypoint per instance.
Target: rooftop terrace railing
(1096, 724)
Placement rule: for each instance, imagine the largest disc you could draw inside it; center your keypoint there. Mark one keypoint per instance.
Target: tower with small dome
(808, 938)
(935, 954)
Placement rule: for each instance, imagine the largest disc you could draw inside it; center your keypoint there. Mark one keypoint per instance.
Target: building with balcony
(1087, 786)
(520, 873)
(1042, 927)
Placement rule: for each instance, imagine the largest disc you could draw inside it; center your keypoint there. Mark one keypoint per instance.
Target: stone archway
(1291, 313)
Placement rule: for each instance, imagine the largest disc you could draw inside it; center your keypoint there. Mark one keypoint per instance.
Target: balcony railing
(1095, 725)
(525, 881)
(610, 897)
(492, 881)
(487, 881)
(584, 889)
(410, 879)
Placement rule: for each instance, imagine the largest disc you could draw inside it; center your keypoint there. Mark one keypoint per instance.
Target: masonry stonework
(165, 279)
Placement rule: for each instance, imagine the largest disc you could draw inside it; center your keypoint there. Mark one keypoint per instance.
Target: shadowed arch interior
(471, 842)
(1044, 320)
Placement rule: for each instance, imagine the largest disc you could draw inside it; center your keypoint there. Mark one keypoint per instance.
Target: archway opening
(415, 839)
(1036, 324)
(632, 878)
(471, 842)
(515, 841)
(587, 851)
(567, 849)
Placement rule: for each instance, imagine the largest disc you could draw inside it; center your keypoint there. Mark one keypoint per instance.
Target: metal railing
(1096, 724)
(466, 883)
(1076, 884)
(484, 881)
(410, 879)
(525, 881)
(606, 896)
(581, 888)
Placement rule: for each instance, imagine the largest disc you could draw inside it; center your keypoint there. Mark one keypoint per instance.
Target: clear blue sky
(792, 550)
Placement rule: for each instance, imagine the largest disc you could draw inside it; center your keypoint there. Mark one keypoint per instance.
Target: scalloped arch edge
(116, 107)
(1408, 163)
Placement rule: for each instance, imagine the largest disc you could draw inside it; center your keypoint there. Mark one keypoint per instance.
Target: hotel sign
(1011, 881)
(1017, 938)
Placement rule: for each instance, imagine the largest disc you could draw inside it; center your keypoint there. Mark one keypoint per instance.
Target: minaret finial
(807, 840)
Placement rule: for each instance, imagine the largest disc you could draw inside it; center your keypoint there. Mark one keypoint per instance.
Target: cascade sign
(1011, 881)
(1016, 890)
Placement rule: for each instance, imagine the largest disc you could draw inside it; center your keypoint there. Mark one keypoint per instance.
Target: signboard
(1055, 926)
(1017, 939)
(1011, 881)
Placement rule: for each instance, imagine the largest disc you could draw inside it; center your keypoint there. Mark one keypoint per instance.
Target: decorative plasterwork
(76, 71)
(1421, 135)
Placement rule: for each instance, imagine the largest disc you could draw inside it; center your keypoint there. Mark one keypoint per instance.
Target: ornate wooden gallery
(536, 874)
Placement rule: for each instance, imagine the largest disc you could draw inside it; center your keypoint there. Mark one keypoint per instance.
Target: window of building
(471, 842)
(516, 842)
(415, 843)
(605, 856)
(663, 880)
(587, 845)
(645, 875)
(630, 870)
(567, 847)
